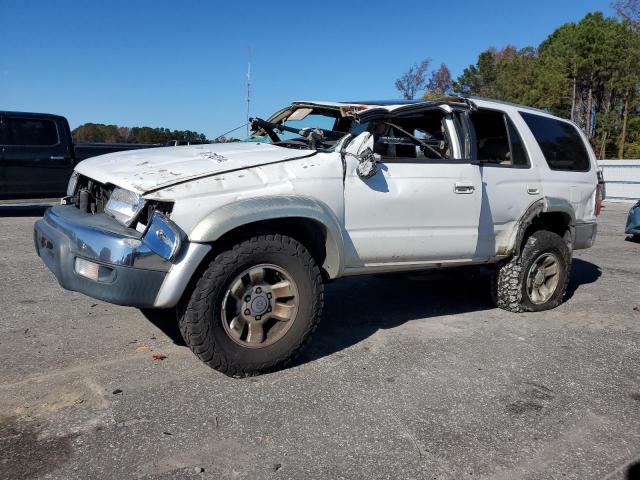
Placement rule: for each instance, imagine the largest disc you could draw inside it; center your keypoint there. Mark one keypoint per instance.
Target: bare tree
(440, 83)
(413, 80)
(629, 10)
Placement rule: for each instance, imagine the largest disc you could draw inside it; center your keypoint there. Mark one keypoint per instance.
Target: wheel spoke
(537, 296)
(238, 289)
(256, 333)
(282, 311)
(256, 275)
(236, 327)
(545, 293)
(282, 289)
(551, 269)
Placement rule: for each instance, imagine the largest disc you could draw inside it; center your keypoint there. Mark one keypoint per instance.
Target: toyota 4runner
(239, 238)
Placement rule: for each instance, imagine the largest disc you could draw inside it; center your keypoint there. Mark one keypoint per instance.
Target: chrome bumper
(130, 273)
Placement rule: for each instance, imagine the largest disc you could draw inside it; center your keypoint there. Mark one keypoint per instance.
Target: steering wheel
(269, 131)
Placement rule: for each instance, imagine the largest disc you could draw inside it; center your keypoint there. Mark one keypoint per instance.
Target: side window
(31, 131)
(497, 139)
(560, 142)
(418, 137)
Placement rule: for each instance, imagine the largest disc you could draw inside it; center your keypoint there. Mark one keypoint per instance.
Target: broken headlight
(124, 205)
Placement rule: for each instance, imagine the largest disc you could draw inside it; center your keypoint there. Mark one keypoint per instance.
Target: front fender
(242, 212)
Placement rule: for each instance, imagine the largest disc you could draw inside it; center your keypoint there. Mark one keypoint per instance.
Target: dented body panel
(153, 169)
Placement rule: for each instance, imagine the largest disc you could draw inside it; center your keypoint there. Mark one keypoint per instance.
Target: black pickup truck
(37, 154)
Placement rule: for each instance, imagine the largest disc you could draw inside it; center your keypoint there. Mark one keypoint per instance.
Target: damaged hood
(150, 169)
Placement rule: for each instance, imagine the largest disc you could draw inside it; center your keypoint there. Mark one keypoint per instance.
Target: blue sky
(182, 65)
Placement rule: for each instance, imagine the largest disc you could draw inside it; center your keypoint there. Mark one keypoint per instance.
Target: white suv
(238, 238)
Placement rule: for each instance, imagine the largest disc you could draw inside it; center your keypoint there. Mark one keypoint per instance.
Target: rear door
(510, 181)
(37, 159)
(422, 205)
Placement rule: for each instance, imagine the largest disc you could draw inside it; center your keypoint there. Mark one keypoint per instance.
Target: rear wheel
(536, 279)
(254, 307)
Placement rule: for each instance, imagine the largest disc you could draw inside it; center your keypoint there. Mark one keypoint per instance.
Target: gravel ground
(407, 377)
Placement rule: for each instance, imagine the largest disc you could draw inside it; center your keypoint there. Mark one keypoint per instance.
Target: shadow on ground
(166, 321)
(633, 472)
(356, 307)
(582, 273)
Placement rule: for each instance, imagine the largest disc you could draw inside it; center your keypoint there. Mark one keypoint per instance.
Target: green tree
(97, 132)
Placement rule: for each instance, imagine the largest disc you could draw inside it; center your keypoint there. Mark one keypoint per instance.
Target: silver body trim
(179, 275)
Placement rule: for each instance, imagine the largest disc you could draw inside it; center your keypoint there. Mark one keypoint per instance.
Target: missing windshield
(316, 128)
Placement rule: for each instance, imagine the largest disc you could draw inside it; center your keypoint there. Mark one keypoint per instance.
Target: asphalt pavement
(407, 377)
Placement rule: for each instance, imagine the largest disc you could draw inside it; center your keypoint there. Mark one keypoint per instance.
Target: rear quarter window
(560, 142)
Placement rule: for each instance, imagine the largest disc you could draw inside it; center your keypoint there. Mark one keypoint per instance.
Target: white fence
(622, 178)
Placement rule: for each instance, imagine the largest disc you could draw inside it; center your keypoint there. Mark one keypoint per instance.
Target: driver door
(414, 210)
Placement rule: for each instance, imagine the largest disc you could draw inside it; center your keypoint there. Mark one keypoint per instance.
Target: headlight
(163, 236)
(73, 182)
(124, 205)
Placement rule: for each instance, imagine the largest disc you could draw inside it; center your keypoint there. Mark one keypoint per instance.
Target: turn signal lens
(87, 269)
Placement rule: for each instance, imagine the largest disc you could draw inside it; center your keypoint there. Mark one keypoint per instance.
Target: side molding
(250, 210)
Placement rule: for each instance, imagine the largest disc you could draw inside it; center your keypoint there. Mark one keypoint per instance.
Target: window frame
(576, 130)
(505, 119)
(6, 135)
(430, 161)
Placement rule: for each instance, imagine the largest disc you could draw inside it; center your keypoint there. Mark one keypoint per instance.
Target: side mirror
(367, 164)
(361, 147)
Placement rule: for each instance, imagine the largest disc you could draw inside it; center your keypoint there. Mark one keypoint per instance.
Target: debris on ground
(159, 356)
(117, 391)
(636, 308)
(142, 349)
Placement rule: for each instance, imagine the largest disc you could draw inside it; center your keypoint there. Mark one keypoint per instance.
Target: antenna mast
(248, 89)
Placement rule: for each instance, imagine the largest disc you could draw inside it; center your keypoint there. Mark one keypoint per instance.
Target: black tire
(200, 315)
(509, 283)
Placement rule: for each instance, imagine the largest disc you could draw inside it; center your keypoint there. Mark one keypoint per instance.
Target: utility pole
(248, 89)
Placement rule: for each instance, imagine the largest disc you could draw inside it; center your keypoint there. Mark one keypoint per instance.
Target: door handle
(464, 188)
(57, 157)
(531, 190)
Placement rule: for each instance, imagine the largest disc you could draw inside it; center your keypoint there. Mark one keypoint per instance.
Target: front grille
(92, 196)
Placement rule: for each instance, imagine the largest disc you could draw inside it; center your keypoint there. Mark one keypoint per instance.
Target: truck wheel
(254, 307)
(536, 279)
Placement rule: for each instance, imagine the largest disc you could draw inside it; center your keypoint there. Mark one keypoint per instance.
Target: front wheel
(537, 278)
(254, 307)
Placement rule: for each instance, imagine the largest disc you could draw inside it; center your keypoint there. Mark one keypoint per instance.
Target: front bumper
(633, 220)
(129, 273)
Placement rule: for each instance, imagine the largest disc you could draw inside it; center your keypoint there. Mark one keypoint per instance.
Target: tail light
(599, 198)
(600, 191)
